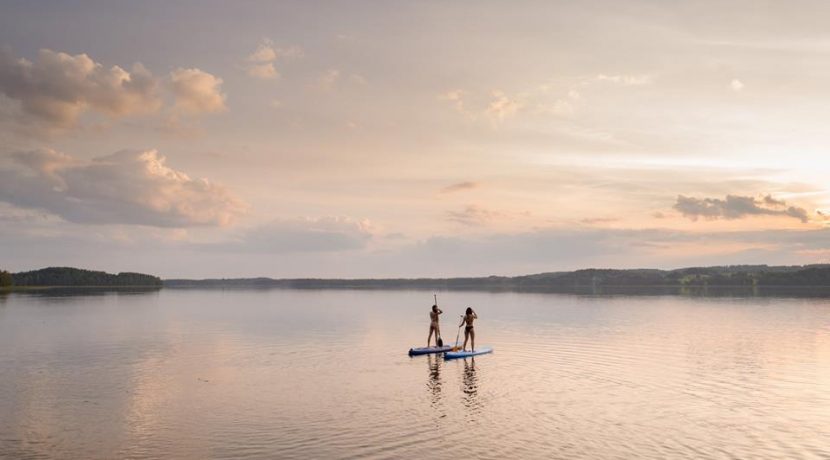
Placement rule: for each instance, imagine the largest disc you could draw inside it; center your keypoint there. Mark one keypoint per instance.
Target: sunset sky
(382, 139)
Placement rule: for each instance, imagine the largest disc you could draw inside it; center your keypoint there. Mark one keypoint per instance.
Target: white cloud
(197, 91)
(736, 85)
(57, 88)
(261, 63)
(127, 187)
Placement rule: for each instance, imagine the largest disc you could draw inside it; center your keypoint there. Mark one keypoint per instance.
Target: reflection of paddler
(433, 325)
(434, 382)
(469, 331)
(470, 379)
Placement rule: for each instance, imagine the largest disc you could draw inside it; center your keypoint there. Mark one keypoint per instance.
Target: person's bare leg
(466, 336)
(430, 336)
(473, 340)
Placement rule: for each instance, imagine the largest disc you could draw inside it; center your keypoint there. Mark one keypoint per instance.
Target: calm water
(324, 374)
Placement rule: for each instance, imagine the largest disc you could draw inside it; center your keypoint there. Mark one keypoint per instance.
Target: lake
(325, 374)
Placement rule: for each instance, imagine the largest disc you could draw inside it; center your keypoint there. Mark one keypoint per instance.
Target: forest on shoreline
(735, 276)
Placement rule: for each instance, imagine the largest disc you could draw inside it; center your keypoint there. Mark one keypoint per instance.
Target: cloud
(325, 234)
(265, 52)
(473, 215)
(626, 80)
(53, 92)
(460, 186)
(262, 62)
(57, 88)
(563, 249)
(197, 91)
(502, 107)
(328, 79)
(127, 187)
(264, 71)
(599, 220)
(736, 207)
(560, 98)
(456, 97)
(736, 85)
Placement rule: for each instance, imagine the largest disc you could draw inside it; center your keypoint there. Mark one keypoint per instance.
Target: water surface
(324, 374)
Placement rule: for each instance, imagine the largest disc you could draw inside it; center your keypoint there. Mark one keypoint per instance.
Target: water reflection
(255, 374)
(470, 386)
(434, 382)
(70, 292)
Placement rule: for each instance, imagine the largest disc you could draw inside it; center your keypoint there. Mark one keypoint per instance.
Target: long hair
(469, 310)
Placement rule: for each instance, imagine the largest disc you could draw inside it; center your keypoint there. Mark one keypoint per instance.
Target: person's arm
(440, 311)
(462, 321)
(475, 315)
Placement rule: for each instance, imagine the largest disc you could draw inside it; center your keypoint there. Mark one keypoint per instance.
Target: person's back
(433, 325)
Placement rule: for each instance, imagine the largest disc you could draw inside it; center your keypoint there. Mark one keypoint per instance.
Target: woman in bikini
(433, 324)
(469, 332)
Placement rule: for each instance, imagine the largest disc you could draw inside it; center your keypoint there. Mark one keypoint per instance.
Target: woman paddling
(433, 324)
(469, 332)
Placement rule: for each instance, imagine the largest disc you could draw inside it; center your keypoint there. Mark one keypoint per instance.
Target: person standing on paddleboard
(469, 332)
(433, 325)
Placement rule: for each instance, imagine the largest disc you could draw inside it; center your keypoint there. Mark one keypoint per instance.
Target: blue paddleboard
(428, 350)
(464, 354)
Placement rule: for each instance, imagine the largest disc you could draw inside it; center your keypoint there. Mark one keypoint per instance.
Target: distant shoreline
(693, 279)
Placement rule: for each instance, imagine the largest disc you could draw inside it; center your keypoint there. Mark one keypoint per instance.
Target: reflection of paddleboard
(428, 350)
(464, 354)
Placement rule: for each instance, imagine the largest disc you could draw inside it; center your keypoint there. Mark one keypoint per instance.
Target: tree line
(68, 276)
(751, 276)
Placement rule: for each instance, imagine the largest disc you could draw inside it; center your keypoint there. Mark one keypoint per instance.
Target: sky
(384, 139)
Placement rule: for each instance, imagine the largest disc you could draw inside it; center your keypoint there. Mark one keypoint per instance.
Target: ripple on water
(325, 375)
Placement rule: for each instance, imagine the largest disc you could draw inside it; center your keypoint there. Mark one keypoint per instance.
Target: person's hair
(469, 310)
(435, 308)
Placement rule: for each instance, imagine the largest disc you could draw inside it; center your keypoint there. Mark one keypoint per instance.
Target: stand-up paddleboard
(465, 354)
(428, 350)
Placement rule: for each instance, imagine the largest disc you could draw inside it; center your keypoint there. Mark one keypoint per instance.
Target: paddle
(456, 347)
(438, 340)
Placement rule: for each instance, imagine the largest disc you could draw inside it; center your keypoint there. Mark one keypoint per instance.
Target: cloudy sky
(218, 139)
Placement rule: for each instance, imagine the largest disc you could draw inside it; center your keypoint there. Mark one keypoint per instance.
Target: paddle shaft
(438, 332)
(457, 335)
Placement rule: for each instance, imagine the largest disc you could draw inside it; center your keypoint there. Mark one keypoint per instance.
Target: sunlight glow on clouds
(262, 62)
(127, 187)
(197, 91)
(57, 88)
(560, 135)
